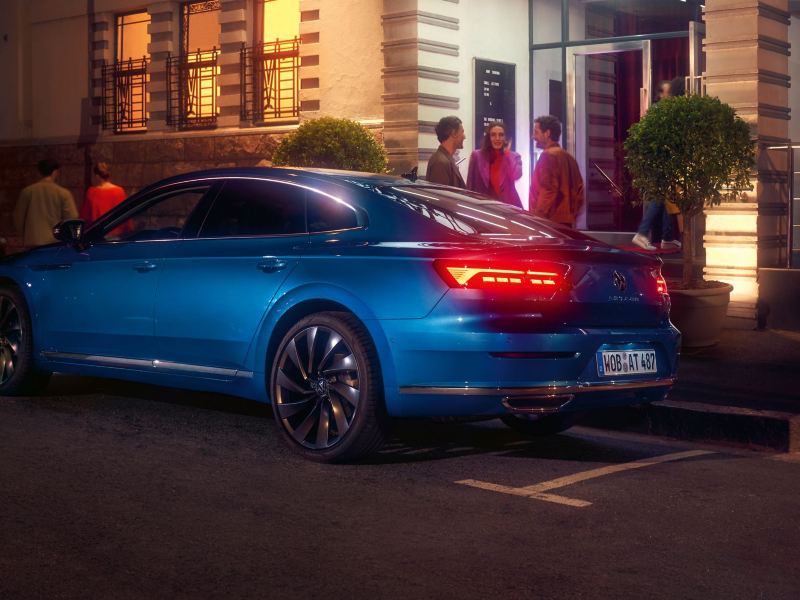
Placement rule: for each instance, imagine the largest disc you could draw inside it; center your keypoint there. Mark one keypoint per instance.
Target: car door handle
(146, 266)
(270, 265)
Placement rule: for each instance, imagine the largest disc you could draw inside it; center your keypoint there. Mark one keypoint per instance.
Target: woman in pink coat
(494, 168)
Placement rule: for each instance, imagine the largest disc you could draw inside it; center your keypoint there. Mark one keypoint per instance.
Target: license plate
(626, 362)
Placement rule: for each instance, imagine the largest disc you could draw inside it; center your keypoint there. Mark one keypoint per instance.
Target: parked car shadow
(410, 440)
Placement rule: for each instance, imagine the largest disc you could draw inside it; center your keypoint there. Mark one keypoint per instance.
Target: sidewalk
(744, 390)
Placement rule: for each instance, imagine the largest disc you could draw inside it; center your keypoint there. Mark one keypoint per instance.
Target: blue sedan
(344, 299)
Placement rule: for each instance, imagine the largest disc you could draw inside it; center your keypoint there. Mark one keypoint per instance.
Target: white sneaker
(642, 241)
(670, 245)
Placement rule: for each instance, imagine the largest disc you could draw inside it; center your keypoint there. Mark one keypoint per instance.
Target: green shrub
(333, 144)
(693, 150)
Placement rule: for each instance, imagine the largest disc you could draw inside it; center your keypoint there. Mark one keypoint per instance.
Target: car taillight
(661, 283)
(489, 275)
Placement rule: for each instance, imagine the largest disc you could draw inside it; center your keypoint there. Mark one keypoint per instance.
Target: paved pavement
(744, 390)
(117, 491)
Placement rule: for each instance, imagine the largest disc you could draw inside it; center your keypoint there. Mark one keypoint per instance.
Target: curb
(696, 421)
(706, 422)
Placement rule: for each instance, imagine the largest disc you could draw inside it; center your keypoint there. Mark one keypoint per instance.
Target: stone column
(747, 66)
(421, 77)
(233, 34)
(309, 58)
(102, 53)
(164, 30)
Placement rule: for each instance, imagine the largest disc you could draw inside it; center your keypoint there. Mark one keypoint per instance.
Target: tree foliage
(693, 150)
(333, 144)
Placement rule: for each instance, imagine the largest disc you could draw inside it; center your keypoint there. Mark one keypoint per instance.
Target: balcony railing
(192, 90)
(125, 95)
(270, 81)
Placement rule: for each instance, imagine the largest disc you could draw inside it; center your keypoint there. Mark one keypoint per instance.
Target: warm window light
(281, 20)
(132, 35)
(130, 73)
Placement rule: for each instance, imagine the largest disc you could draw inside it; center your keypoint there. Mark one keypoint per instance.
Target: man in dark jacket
(441, 166)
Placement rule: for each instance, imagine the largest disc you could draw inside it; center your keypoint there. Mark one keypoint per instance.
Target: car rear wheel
(539, 426)
(326, 388)
(18, 374)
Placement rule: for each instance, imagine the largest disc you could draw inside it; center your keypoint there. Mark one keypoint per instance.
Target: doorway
(609, 87)
(608, 90)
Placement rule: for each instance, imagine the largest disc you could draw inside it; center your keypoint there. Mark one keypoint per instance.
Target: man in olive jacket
(43, 205)
(441, 166)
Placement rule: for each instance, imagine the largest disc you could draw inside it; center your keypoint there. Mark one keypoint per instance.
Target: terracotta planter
(699, 314)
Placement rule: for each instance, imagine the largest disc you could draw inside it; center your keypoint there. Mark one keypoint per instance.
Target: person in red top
(101, 198)
(494, 168)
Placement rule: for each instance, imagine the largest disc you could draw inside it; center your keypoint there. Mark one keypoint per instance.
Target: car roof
(288, 173)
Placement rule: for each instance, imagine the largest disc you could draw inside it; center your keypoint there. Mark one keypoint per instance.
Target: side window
(161, 219)
(249, 207)
(327, 214)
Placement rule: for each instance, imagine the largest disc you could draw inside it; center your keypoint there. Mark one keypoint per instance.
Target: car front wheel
(326, 388)
(18, 374)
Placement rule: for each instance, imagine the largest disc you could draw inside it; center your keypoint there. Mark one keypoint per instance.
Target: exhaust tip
(537, 404)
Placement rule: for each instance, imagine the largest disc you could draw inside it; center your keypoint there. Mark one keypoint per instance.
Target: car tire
(326, 388)
(539, 426)
(18, 373)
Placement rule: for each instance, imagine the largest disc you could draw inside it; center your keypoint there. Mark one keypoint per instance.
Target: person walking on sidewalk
(494, 168)
(442, 167)
(557, 186)
(101, 198)
(42, 205)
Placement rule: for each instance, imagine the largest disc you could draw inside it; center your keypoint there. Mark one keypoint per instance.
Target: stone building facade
(397, 66)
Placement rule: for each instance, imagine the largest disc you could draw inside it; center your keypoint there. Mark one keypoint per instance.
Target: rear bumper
(450, 367)
(550, 398)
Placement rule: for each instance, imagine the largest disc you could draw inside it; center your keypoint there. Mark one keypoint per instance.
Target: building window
(270, 70)
(125, 80)
(193, 89)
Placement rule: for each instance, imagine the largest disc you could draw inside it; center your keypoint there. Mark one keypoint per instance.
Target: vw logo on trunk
(619, 281)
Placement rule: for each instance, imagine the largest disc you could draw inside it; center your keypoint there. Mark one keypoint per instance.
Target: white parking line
(538, 490)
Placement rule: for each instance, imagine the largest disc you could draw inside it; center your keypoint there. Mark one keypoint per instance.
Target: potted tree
(331, 143)
(697, 152)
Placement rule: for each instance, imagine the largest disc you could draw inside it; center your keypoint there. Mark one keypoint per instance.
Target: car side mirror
(68, 231)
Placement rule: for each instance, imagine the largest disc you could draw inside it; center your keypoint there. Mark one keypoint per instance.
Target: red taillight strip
(478, 274)
(661, 285)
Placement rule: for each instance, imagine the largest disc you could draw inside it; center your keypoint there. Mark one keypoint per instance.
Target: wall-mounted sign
(495, 89)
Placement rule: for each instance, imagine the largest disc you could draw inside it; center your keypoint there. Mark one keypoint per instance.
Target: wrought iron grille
(125, 95)
(192, 90)
(270, 81)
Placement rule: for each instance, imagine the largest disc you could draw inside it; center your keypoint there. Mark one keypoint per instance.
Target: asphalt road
(112, 490)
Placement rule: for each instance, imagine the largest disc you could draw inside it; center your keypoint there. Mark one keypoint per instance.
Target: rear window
(474, 215)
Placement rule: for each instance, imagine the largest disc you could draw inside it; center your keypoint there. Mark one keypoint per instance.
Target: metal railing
(270, 81)
(192, 90)
(125, 95)
(789, 210)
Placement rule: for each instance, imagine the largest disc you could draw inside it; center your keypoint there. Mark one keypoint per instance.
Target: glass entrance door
(608, 89)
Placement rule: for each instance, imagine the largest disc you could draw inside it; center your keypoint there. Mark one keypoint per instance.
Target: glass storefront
(602, 78)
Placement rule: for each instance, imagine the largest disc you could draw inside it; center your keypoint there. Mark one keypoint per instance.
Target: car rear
(533, 320)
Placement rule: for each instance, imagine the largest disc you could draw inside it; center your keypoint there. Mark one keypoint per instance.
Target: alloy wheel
(316, 387)
(10, 338)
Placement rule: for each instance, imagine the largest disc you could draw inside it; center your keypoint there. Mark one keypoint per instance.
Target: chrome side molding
(147, 364)
(543, 391)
